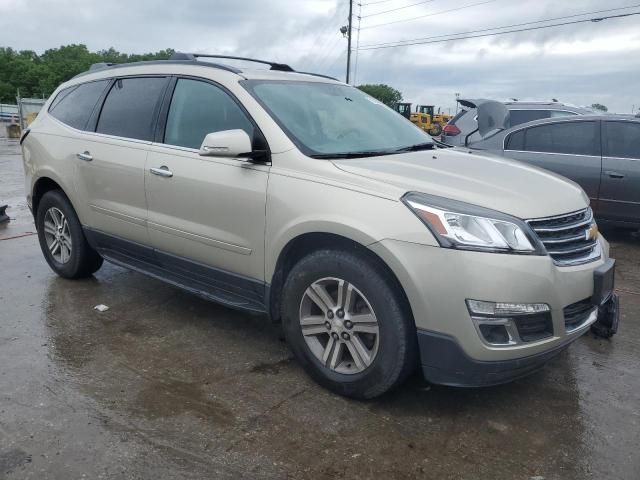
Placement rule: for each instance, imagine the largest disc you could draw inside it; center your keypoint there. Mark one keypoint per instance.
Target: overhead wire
(433, 14)
(595, 19)
(374, 3)
(397, 8)
(564, 17)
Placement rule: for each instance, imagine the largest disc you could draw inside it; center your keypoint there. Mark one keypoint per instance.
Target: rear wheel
(62, 240)
(347, 324)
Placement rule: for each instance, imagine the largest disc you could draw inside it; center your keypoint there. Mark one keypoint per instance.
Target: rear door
(111, 161)
(208, 217)
(620, 190)
(570, 148)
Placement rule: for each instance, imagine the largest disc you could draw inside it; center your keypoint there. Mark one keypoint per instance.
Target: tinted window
(622, 139)
(74, 105)
(561, 113)
(578, 138)
(128, 110)
(199, 108)
(523, 116)
(515, 141)
(457, 116)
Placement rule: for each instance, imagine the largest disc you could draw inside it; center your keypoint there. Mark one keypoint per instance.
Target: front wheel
(347, 324)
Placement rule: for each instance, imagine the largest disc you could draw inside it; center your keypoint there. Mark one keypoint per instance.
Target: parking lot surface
(166, 385)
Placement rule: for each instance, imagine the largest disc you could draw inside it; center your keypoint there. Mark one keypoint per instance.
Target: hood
(487, 181)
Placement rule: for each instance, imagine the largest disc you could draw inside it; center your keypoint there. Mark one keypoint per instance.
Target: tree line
(39, 75)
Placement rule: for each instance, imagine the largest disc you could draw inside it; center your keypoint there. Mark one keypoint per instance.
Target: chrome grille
(568, 238)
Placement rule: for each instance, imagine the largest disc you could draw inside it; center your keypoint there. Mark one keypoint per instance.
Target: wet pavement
(166, 385)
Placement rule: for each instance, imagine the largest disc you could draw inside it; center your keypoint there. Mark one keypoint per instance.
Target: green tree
(39, 75)
(600, 107)
(386, 94)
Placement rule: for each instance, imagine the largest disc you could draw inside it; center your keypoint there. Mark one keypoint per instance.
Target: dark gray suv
(465, 123)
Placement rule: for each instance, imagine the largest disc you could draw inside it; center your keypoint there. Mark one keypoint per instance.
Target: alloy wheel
(57, 235)
(339, 325)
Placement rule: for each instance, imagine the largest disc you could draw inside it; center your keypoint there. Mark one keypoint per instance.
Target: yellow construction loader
(424, 117)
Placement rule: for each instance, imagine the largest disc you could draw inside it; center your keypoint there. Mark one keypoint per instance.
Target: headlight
(464, 226)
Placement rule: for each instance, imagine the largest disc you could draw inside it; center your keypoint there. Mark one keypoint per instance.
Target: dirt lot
(165, 385)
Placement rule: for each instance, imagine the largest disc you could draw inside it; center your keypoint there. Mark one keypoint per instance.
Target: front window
(327, 120)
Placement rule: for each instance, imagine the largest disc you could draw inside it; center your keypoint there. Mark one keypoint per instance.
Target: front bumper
(437, 281)
(445, 363)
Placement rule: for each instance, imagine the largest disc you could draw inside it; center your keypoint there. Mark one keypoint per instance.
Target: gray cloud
(582, 64)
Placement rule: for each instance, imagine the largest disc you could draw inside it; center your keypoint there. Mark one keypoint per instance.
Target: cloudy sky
(580, 64)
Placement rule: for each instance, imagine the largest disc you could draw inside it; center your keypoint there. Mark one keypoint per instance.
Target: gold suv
(264, 190)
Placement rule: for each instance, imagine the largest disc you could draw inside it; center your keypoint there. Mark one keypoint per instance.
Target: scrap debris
(3, 214)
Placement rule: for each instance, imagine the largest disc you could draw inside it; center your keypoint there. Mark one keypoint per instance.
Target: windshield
(325, 119)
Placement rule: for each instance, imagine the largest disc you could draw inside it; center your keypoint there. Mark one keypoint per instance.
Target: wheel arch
(47, 180)
(306, 243)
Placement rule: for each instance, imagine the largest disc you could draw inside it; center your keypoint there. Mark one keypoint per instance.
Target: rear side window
(457, 116)
(515, 141)
(130, 107)
(622, 139)
(561, 113)
(577, 138)
(523, 116)
(74, 105)
(199, 108)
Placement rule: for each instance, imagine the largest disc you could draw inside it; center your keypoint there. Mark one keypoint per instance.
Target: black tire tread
(85, 261)
(379, 280)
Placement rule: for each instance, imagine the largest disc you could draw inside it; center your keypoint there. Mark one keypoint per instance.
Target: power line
(373, 3)
(431, 14)
(397, 8)
(595, 19)
(400, 42)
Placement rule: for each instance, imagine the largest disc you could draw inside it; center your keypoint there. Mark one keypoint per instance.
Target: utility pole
(349, 39)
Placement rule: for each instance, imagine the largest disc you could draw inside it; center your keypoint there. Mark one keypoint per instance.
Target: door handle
(163, 171)
(614, 174)
(86, 156)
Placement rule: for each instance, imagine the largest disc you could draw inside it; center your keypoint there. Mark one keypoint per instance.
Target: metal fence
(28, 109)
(15, 118)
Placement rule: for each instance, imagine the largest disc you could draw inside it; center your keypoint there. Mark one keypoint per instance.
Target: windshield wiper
(417, 147)
(373, 153)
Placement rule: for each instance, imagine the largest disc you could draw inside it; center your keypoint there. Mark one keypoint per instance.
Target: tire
(393, 354)
(436, 130)
(73, 257)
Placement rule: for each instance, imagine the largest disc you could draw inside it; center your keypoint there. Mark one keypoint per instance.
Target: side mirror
(227, 143)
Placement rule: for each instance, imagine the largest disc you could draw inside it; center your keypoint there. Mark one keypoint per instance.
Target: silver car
(463, 126)
(601, 153)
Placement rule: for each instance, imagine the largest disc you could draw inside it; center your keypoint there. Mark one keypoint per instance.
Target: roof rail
(100, 66)
(194, 56)
(319, 75)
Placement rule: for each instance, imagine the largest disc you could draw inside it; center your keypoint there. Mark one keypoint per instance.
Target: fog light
(501, 309)
(506, 324)
(495, 334)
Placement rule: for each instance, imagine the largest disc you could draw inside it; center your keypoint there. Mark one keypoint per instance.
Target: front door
(620, 191)
(206, 214)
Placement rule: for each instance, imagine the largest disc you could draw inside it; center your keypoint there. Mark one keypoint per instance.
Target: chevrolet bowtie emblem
(592, 232)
